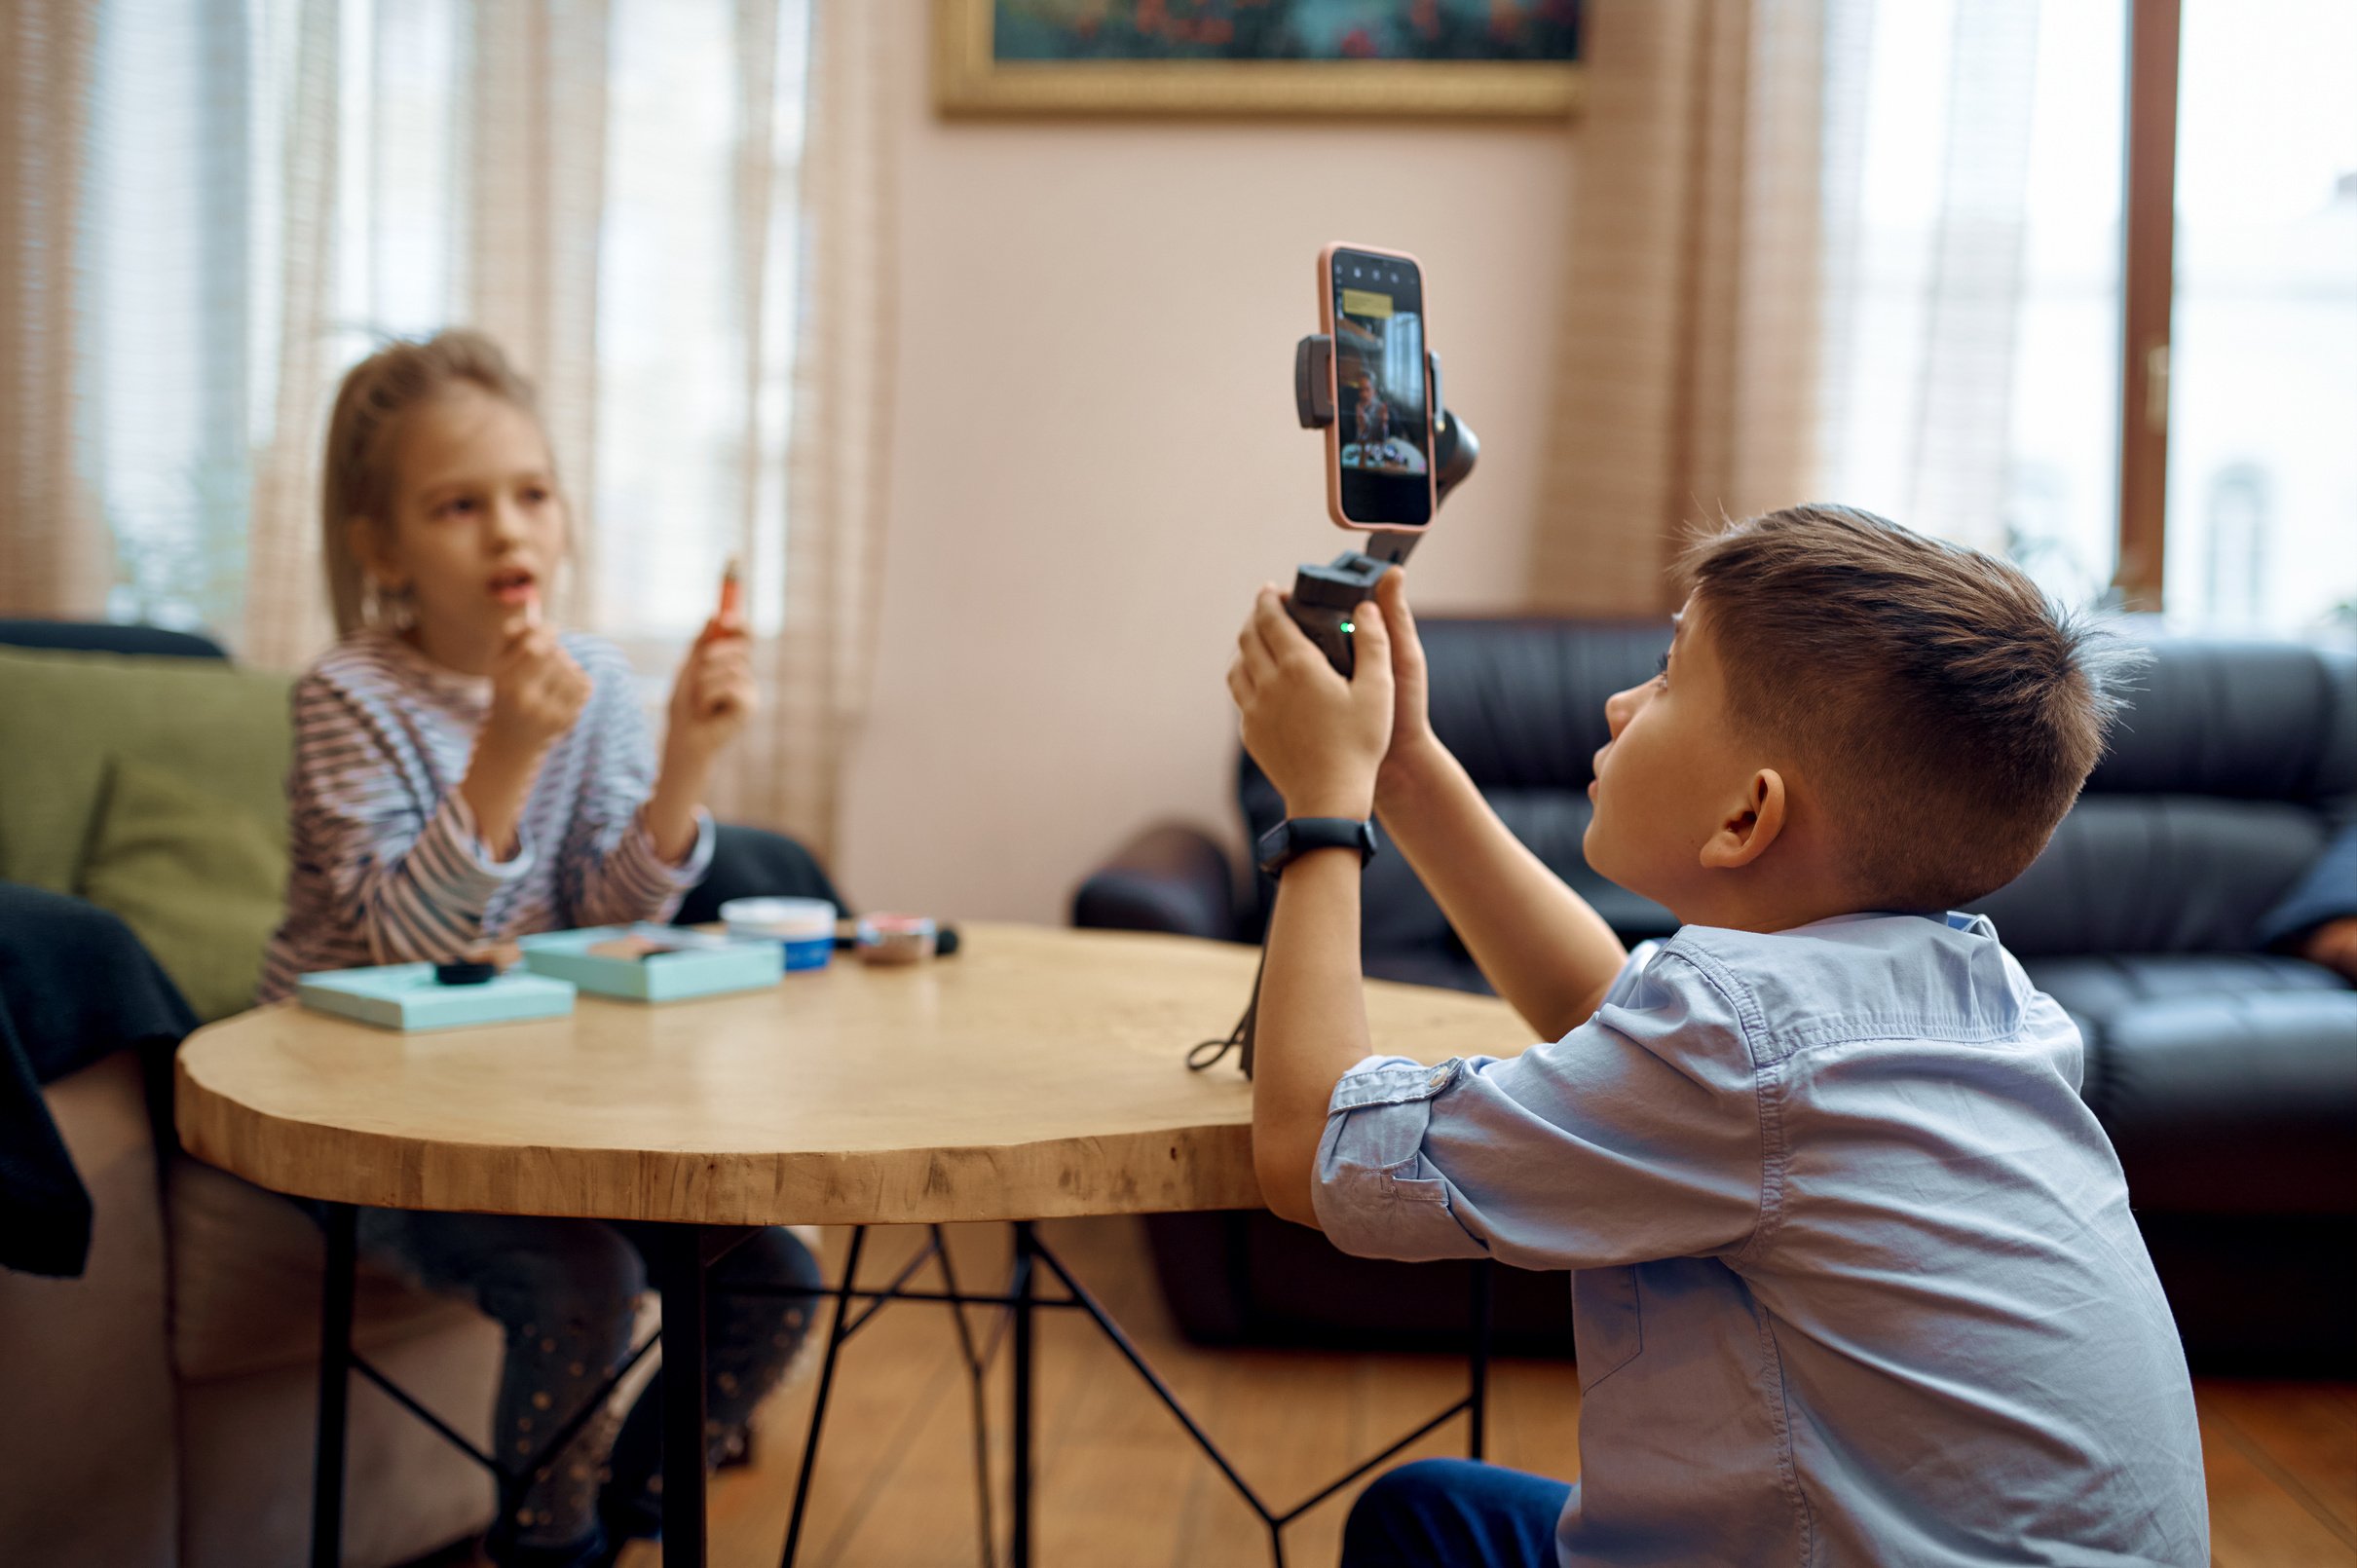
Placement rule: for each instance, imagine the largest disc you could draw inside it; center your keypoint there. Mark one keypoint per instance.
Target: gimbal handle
(1326, 597)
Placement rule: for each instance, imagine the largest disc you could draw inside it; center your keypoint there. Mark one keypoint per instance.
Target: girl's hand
(710, 702)
(537, 692)
(536, 695)
(1318, 737)
(714, 696)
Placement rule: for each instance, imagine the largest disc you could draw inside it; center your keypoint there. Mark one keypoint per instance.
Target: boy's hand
(1318, 737)
(2333, 945)
(714, 696)
(537, 690)
(1411, 735)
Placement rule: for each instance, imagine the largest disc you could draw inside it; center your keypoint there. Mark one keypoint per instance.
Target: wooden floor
(1119, 1483)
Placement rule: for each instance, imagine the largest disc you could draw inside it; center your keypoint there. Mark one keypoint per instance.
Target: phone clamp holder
(1325, 597)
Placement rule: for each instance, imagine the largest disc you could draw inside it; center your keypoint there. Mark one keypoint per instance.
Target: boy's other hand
(2333, 945)
(1318, 737)
(1411, 733)
(714, 693)
(536, 689)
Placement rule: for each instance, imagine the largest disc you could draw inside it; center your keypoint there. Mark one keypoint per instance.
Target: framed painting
(1369, 57)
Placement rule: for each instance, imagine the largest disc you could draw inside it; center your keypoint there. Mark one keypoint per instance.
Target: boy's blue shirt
(1857, 1276)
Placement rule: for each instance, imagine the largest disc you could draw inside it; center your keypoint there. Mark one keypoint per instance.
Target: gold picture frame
(969, 79)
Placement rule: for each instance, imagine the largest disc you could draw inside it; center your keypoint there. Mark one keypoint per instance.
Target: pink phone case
(1334, 393)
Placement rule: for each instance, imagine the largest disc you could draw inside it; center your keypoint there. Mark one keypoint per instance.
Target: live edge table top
(1039, 1073)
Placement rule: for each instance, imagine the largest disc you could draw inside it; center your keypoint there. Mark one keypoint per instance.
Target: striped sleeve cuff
(636, 877)
(454, 864)
(435, 907)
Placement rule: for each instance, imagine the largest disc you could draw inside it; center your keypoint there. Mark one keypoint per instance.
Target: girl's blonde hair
(365, 430)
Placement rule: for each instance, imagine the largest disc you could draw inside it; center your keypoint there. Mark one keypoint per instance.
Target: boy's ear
(1751, 826)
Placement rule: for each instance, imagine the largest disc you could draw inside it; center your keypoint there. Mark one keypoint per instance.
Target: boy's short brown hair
(1945, 710)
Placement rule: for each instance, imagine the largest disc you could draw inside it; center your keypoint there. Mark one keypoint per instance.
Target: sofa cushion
(1400, 924)
(245, 1275)
(2157, 873)
(109, 637)
(2238, 1103)
(2263, 721)
(1520, 702)
(2101, 987)
(201, 880)
(63, 716)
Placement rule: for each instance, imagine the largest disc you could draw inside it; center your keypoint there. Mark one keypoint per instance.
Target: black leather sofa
(2225, 1076)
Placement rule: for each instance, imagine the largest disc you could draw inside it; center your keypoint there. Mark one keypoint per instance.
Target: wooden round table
(1036, 1075)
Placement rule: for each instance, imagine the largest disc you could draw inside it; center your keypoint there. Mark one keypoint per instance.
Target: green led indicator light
(1347, 626)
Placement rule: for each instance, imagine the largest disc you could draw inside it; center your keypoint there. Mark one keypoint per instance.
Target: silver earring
(390, 608)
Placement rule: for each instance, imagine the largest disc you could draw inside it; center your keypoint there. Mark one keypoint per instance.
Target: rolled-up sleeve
(1640, 1134)
(1375, 1193)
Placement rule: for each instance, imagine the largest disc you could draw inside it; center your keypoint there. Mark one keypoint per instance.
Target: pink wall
(1096, 458)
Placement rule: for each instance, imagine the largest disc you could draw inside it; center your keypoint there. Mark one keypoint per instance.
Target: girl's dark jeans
(567, 1293)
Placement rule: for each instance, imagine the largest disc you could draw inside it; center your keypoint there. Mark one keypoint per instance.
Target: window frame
(2148, 296)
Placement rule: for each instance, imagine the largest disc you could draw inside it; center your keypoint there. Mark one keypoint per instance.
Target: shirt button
(1438, 1077)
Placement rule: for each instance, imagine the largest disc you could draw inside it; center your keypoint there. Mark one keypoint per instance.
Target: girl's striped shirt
(388, 865)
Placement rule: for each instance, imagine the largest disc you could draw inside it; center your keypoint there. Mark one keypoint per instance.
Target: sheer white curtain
(214, 206)
(1688, 363)
(51, 545)
(1859, 250)
(1972, 157)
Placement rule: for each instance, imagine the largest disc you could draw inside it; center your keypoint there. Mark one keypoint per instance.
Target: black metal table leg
(341, 1222)
(978, 1395)
(1027, 1247)
(837, 1332)
(1022, 1301)
(683, 1282)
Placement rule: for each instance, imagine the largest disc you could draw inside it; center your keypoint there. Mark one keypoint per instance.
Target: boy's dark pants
(1454, 1513)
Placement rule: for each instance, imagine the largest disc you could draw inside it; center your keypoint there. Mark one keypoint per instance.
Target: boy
(1855, 1278)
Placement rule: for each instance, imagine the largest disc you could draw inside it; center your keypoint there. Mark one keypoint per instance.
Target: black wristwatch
(1296, 837)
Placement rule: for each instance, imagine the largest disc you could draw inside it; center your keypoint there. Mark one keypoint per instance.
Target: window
(2091, 295)
(2261, 369)
(205, 155)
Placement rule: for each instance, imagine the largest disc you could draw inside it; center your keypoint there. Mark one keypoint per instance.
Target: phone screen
(1383, 426)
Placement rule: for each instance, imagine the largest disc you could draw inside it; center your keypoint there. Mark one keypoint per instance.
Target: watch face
(1274, 850)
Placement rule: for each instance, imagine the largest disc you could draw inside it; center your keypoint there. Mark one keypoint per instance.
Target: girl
(465, 773)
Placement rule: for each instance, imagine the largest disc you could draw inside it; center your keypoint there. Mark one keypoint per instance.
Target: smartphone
(1379, 448)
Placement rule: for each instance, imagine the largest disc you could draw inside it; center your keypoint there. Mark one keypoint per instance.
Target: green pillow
(198, 879)
(63, 716)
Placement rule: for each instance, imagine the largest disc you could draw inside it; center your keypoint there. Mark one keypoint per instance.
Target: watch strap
(1296, 837)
